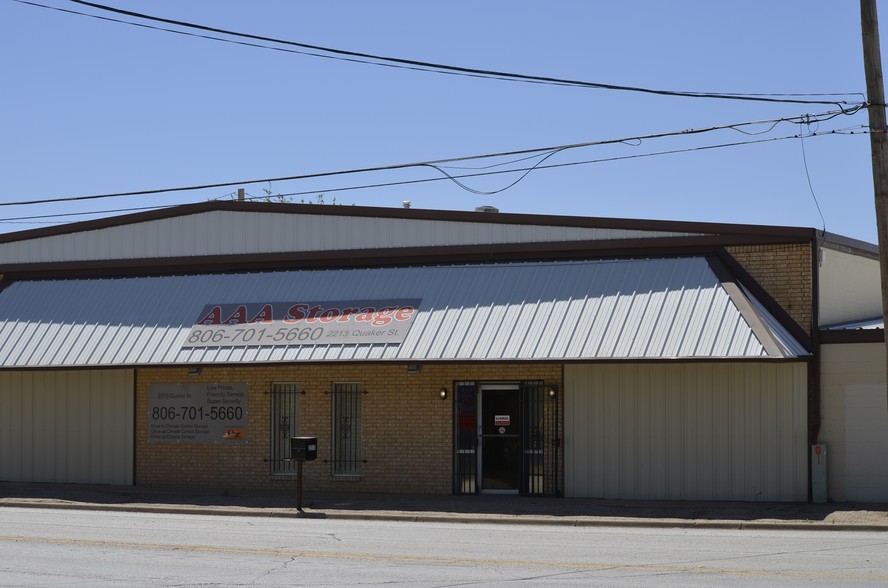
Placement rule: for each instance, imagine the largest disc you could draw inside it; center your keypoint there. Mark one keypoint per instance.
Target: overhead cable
(808, 176)
(859, 129)
(382, 60)
(32, 219)
(733, 126)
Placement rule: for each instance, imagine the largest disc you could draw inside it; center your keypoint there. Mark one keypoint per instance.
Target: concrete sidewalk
(451, 509)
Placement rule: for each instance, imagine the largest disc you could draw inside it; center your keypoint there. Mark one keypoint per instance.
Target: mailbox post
(302, 449)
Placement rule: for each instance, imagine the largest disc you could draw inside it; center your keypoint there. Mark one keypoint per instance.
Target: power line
(33, 218)
(821, 117)
(440, 68)
(848, 131)
(808, 176)
(858, 129)
(270, 48)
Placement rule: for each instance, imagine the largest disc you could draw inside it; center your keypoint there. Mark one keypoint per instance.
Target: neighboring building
(855, 411)
(438, 352)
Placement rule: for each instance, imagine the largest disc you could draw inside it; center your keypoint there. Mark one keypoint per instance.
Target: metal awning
(631, 309)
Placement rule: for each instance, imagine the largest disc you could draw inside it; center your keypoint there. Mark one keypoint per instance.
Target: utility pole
(875, 93)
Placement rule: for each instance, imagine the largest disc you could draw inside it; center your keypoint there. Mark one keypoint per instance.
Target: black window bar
(541, 439)
(284, 424)
(346, 452)
(465, 438)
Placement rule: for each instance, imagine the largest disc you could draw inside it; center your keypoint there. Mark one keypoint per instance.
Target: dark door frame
(540, 434)
(488, 438)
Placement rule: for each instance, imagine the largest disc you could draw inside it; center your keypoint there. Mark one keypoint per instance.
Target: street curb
(543, 520)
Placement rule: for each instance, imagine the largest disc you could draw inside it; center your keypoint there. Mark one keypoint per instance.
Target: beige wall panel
(850, 288)
(58, 426)
(866, 443)
(854, 425)
(686, 432)
(10, 412)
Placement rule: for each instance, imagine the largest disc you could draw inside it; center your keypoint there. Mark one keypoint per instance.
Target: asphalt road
(85, 548)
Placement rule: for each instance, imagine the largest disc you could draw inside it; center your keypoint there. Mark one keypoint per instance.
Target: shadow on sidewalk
(495, 505)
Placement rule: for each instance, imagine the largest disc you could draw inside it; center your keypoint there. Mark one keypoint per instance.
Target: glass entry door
(499, 432)
(506, 438)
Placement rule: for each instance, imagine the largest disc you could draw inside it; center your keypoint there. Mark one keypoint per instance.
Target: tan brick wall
(407, 429)
(785, 272)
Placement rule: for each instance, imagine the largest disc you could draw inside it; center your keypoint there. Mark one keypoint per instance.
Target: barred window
(346, 446)
(284, 424)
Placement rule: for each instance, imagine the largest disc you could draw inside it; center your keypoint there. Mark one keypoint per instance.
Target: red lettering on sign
(308, 313)
(238, 317)
(366, 315)
(266, 315)
(329, 315)
(313, 313)
(383, 316)
(214, 317)
(346, 313)
(405, 313)
(296, 313)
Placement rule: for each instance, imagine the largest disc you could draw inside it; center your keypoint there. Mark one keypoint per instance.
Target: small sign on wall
(197, 413)
(502, 420)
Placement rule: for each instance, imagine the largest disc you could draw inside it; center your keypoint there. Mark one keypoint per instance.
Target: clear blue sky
(92, 107)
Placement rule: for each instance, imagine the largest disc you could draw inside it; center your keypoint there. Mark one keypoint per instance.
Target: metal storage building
(429, 351)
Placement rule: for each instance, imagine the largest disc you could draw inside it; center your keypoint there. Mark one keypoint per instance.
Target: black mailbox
(303, 448)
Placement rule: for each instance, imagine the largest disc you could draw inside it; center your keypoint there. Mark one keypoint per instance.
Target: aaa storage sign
(197, 413)
(302, 323)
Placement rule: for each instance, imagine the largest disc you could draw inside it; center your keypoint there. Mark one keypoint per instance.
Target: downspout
(814, 392)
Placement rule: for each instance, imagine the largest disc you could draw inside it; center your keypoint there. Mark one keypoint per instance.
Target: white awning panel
(587, 310)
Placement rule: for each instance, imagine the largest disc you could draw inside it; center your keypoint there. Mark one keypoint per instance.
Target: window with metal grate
(347, 459)
(284, 424)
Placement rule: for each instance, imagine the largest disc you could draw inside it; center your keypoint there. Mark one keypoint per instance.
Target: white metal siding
(850, 288)
(231, 233)
(866, 443)
(686, 432)
(67, 426)
(855, 421)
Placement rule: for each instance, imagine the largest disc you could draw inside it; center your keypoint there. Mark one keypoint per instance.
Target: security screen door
(506, 438)
(500, 429)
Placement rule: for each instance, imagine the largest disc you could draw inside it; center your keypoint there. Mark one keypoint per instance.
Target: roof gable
(247, 228)
(225, 231)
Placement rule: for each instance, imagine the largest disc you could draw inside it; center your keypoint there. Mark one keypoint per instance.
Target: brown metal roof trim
(852, 336)
(387, 257)
(735, 292)
(727, 269)
(491, 362)
(413, 213)
(849, 245)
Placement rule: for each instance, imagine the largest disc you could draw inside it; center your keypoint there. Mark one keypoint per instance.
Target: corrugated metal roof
(870, 324)
(234, 233)
(613, 309)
